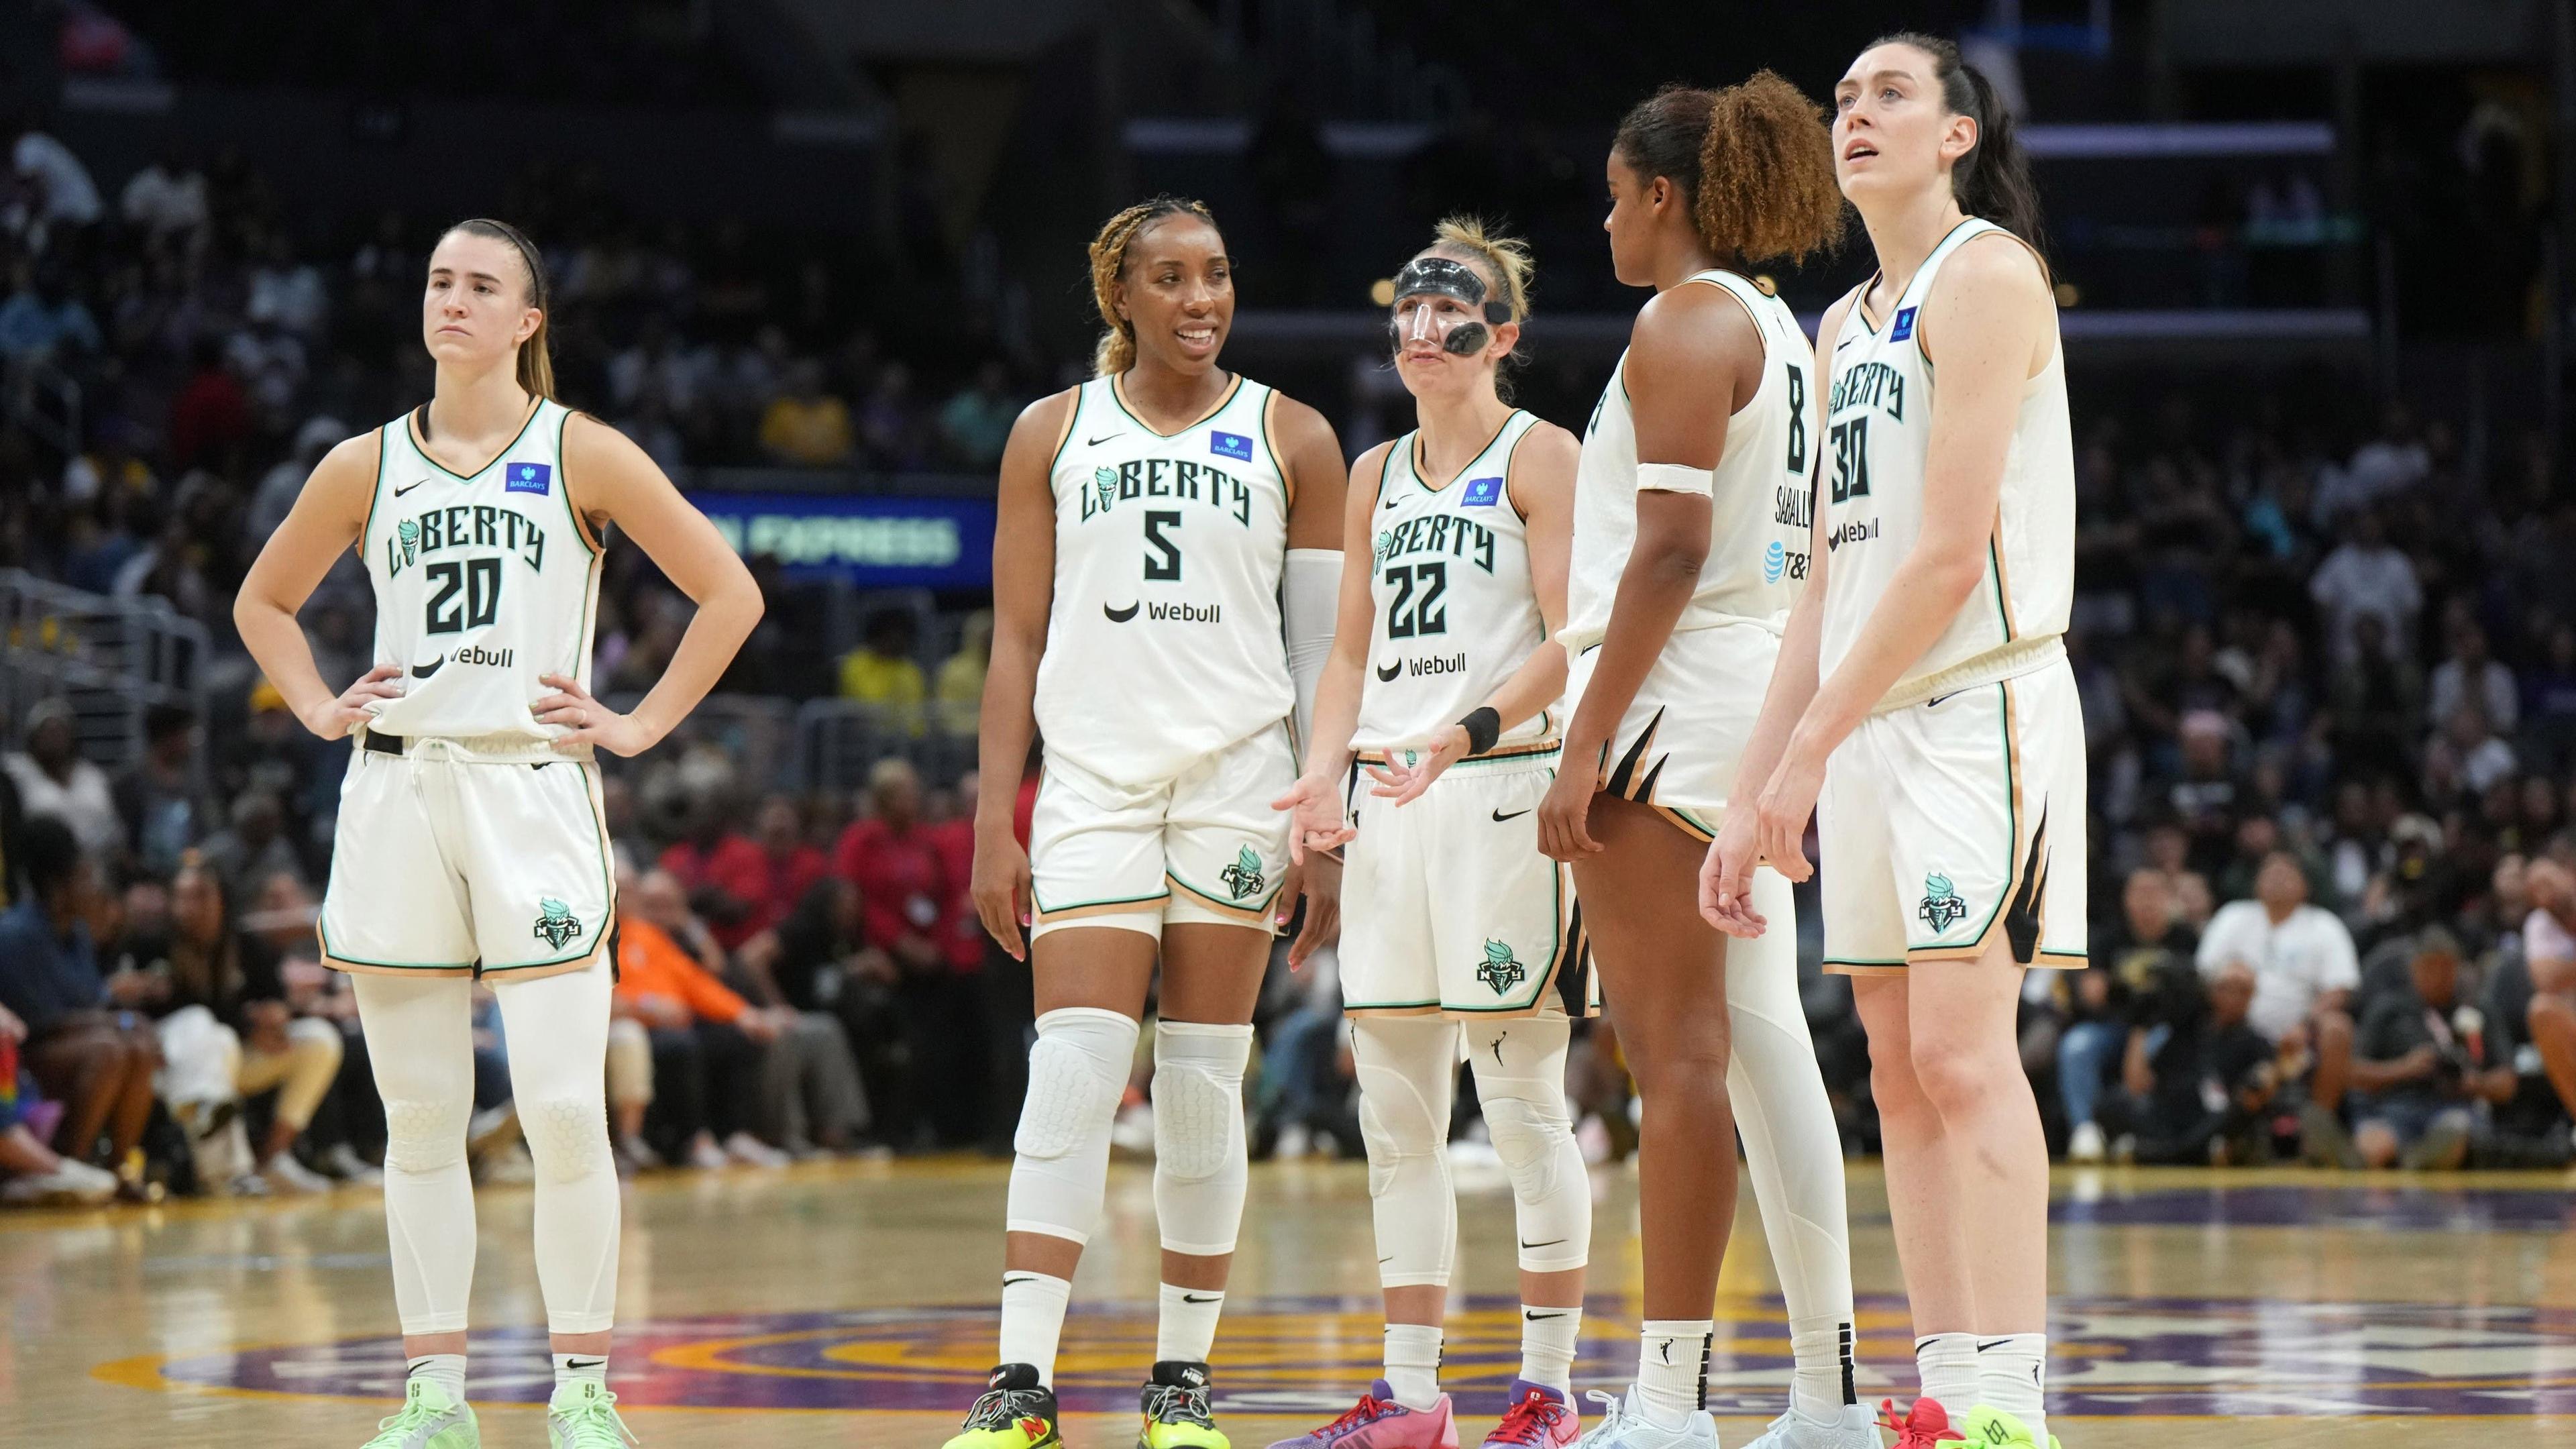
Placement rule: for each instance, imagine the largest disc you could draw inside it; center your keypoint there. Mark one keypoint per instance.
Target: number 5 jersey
(483, 583)
(1163, 643)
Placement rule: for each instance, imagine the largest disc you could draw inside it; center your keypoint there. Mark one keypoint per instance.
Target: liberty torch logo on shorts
(1943, 907)
(1500, 970)
(555, 924)
(1243, 878)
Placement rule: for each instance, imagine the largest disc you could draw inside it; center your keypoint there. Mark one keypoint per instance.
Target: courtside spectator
(2417, 1077)
(163, 807)
(87, 1049)
(2304, 971)
(895, 861)
(960, 688)
(725, 874)
(53, 779)
(708, 1042)
(2105, 1002)
(31, 1172)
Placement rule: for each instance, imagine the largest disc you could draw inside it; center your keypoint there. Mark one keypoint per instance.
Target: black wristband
(1484, 725)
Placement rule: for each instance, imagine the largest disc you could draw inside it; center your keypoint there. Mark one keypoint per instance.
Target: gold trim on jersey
(1529, 750)
(1118, 395)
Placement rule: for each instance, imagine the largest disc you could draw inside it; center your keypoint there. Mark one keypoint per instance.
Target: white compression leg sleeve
(420, 1044)
(1199, 1149)
(1793, 1148)
(1408, 1075)
(557, 1027)
(1520, 1079)
(1077, 1071)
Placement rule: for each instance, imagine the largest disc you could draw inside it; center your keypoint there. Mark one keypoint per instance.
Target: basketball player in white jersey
(1168, 544)
(469, 840)
(1690, 502)
(1456, 932)
(1924, 708)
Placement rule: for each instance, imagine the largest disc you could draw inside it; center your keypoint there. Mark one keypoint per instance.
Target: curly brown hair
(1755, 160)
(1117, 349)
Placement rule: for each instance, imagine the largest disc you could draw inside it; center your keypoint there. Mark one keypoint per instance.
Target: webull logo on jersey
(1165, 613)
(463, 525)
(1179, 478)
(1447, 664)
(1859, 532)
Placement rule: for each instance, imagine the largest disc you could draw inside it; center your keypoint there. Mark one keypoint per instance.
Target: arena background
(2314, 265)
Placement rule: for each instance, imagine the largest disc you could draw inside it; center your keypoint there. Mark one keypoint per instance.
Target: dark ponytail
(1993, 180)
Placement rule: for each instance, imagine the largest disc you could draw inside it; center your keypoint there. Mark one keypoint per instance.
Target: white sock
(2012, 1375)
(570, 1366)
(1413, 1364)
(1672, 1369)
(1547, 1345)
(1822, 1381)
(1033, 1319)
(447, 1370)
(1947, 1364)
(1187, 1328)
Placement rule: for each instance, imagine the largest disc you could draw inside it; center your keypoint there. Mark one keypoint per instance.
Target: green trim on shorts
(1863, 961)
(1432, 1005)
(1044, 909)
(322, 927)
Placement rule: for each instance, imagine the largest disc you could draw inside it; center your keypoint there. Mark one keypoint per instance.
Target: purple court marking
(2392, 1207)
(2110, 1356)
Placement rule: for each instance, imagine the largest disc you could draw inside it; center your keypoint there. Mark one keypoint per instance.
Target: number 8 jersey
(483, 583)
(1163, 643)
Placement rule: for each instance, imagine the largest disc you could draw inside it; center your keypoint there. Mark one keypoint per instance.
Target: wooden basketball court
(852, 1304)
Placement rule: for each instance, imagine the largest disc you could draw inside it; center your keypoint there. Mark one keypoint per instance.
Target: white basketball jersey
(1758, 521)
(1454, 612)
(1163, 644)
(483, 583)
(1878, 428)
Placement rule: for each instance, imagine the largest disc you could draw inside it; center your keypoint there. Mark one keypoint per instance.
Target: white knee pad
(1520, 1079)
(1077, 1071)
(1408, 1068)
(1792, 1146)
(567, 1137)
(425, 1136)
(1198, 1134)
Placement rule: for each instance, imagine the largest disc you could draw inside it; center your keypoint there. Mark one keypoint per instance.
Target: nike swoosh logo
(1096, 442)
(583, 1363)
(1386, 673)
(1008, 1280)
(1120, 616)
(1998, 1343)
(1550, 1243)
(1186, 1298)
(406, 488)
(1500, 817)
(1538, 1317)
(1390, 503)
(423, 671)
(1936, 699)
(1846, 342)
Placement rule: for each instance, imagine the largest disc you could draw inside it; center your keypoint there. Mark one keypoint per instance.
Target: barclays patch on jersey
(534, 478)
(1230, 445)
(1482, 493)
(1904, 327)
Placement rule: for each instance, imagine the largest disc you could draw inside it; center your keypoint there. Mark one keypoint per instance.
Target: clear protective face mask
(1462, 335)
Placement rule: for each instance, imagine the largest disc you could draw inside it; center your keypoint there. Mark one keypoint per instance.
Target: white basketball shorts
(463, 857)
(1945, 823)
(1677, 746)
(1447, 905)
(1202, 846)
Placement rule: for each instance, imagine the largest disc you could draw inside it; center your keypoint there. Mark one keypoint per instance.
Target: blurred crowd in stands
(2328, 665)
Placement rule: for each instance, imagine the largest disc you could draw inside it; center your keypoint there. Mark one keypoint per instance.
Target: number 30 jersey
(1878, 433)
(483, 583)
(1163, 643)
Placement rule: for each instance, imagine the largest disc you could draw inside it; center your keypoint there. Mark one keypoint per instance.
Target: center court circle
(1293, 1355)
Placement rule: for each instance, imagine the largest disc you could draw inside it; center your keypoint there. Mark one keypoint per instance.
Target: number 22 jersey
(483, 583)
(1163, 643)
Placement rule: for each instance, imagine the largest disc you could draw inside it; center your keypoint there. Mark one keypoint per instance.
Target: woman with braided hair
(1164, 569)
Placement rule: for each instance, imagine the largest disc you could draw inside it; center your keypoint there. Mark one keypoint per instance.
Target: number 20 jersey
(1163, 643)
(483, 583)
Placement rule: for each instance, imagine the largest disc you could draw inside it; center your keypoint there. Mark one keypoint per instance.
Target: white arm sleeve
(1310, 596)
